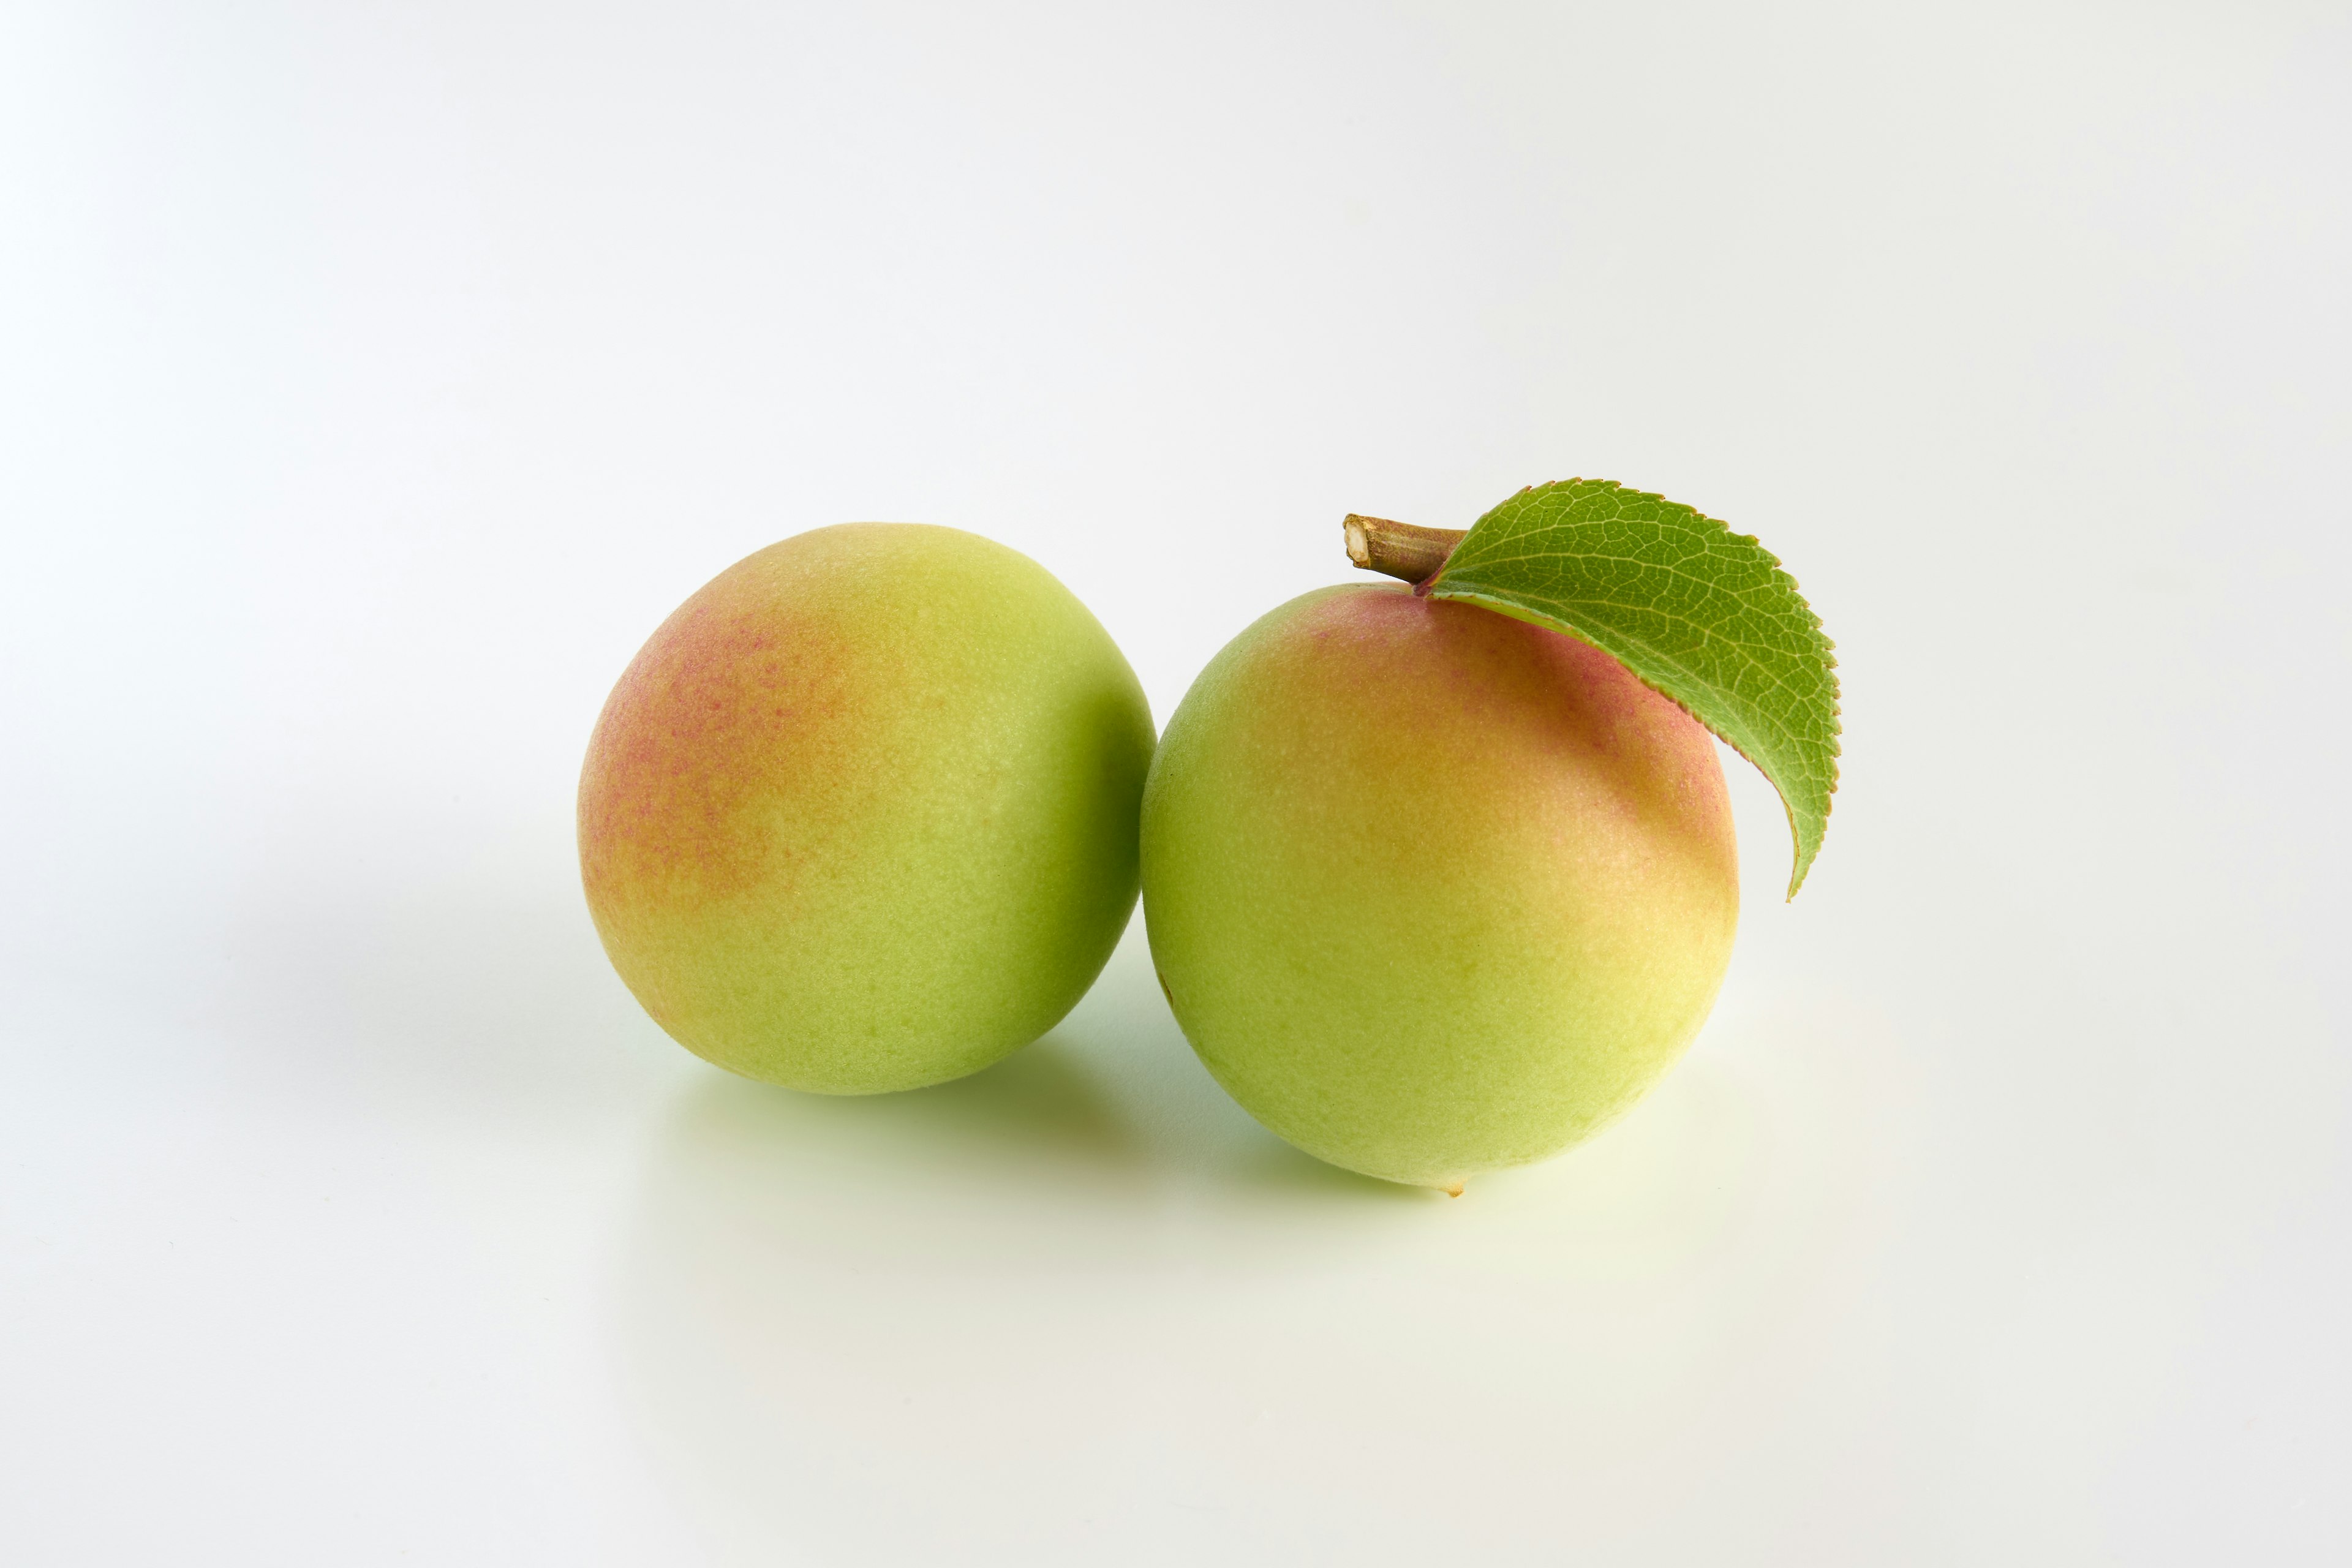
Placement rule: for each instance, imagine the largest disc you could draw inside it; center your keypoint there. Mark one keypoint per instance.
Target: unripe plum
(861, 815)
(1431, 890)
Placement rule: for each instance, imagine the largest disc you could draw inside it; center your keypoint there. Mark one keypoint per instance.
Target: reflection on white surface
(1082, 1287)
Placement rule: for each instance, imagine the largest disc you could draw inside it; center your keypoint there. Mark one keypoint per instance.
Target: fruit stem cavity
(1400, 549)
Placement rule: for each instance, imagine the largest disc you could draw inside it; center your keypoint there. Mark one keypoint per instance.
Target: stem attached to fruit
(1400, 549)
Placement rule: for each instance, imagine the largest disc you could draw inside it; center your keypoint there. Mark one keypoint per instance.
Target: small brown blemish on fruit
(1163, 987)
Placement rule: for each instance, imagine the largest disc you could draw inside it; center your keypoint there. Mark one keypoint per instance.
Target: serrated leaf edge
(1802, 858)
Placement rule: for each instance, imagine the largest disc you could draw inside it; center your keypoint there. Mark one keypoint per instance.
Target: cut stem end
(1400, 549)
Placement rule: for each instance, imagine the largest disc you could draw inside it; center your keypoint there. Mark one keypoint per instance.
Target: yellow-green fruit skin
(1432, 890)
(862, 815)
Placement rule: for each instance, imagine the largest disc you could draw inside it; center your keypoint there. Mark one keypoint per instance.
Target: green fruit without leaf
(862, 813)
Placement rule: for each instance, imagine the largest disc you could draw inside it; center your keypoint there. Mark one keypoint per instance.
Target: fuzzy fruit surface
(861, 815)
(1432, 890)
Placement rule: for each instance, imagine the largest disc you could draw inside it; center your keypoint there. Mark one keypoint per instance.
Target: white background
(374, 377)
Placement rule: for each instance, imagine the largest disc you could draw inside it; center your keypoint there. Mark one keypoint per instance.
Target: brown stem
(1399, 549)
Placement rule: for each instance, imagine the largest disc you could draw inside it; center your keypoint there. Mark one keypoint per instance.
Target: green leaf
(1704, 615)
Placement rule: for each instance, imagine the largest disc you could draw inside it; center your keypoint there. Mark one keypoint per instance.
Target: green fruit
(1432, 890)
(862, 815)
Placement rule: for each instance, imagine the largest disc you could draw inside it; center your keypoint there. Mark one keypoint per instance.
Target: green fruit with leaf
(1440, 879)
